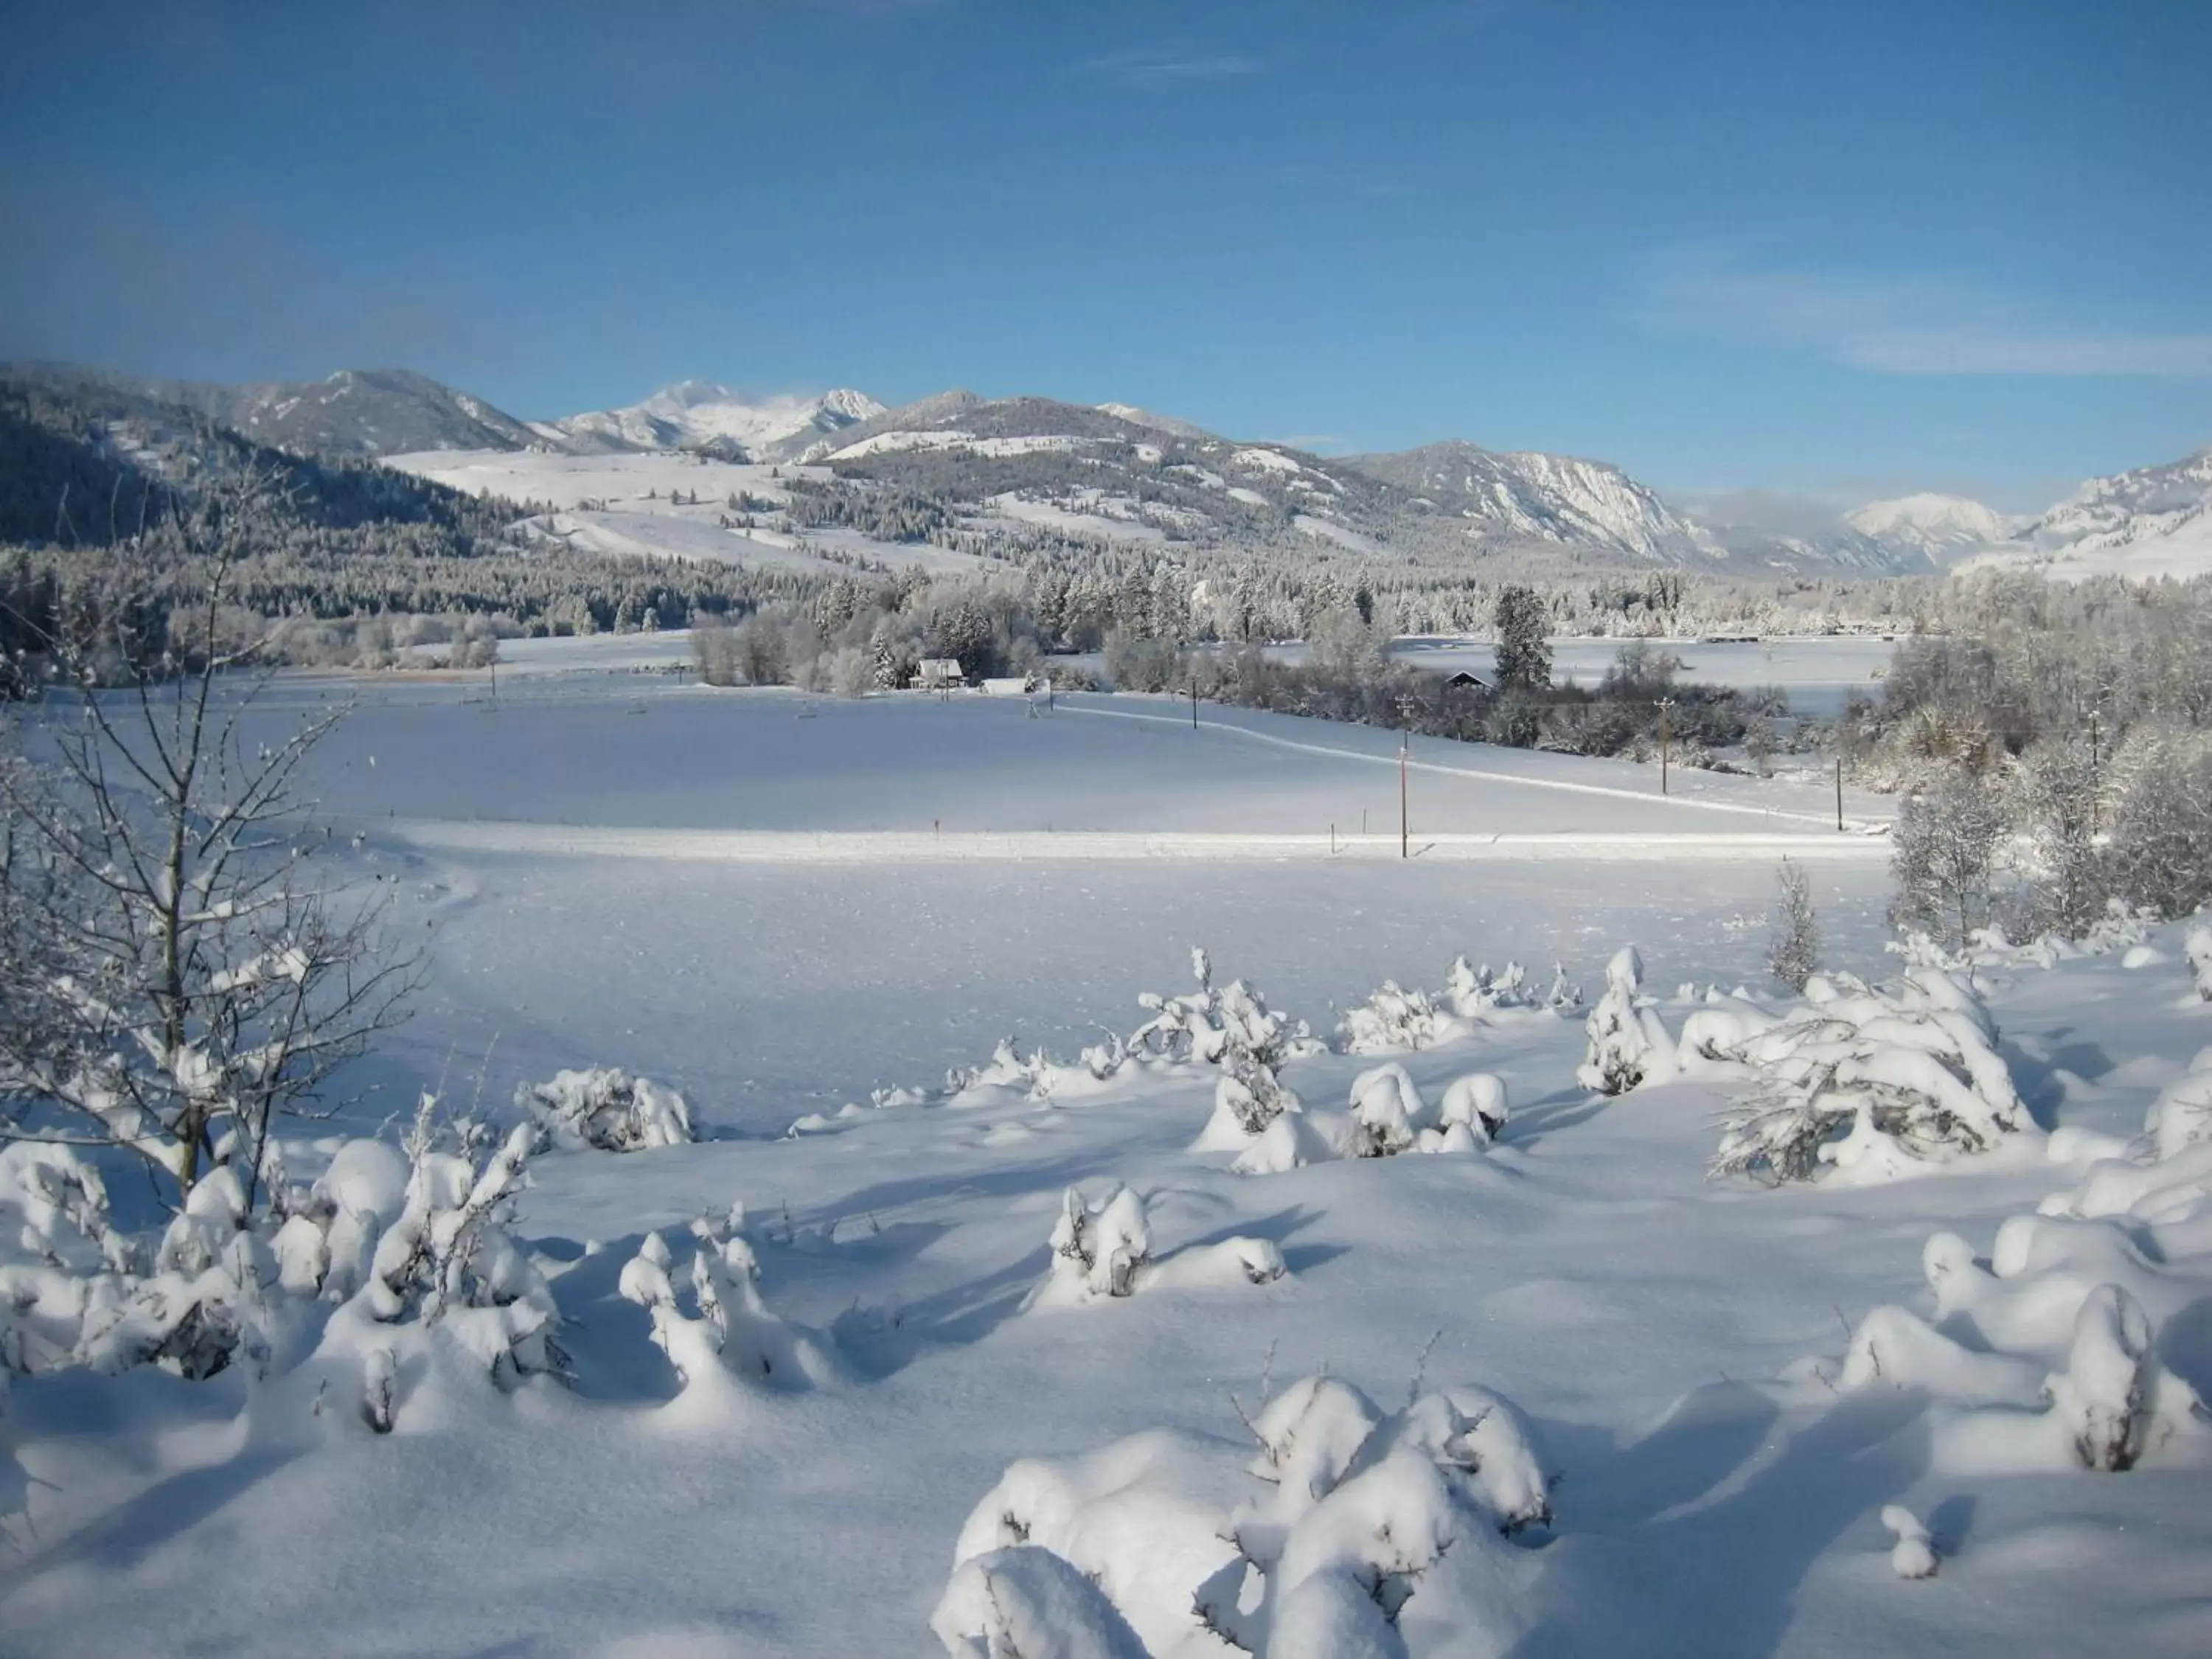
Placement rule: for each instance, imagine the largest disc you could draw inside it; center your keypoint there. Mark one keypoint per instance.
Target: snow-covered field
(625, 505)
(1714, 1494)
(1818, 674)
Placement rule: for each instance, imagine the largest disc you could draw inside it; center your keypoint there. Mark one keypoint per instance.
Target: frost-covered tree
(2161, 839)
(1793, 951)
(1869, 1080)
(1944, 861)
(1522, 652)
(194, 979)
(2055, 791)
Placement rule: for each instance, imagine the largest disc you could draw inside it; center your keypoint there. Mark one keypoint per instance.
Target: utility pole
(1839, 792)
(1194, 702)
(1666, 739)
(1405, 833)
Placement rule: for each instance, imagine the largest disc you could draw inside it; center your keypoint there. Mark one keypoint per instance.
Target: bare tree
(178, 976)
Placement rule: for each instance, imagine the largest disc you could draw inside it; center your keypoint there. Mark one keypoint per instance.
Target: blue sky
(1837, 249)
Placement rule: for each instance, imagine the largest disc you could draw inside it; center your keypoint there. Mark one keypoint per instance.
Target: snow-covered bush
(1104, 1250)
(1215, 1026)
(1097, 1248)
(1471, 992)
(1562, 995)
(1246, 1101)
(2182, 1114)
(1378, 1533)
(1476, 1101)
(1388, 1112)
(2045, 1356)
(727, 1332)
(77, 1291)
(2197, 947)
(1292, 1140)
(449, 1261)
(608, 1110)
(1914, 1555)
(1025, 1603)
(1628, 1046)
(1872, 1081)
(1392, 1020)
(2103, 1396)
(1715, 1034)
(397, 1245)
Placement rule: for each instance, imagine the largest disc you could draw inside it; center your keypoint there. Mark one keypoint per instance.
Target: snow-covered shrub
(1105, 1251)
(1100, 1248)
(2197, 947)
(2105, 1396)
(727, 1331)
(55, 1247)
(2182, 1114)
(1471, 992)
(1388, 1112)
(1392, 1020)
(1871, 1080)
(1381, 1533)
(2044, 1355)
(1292, 1140)
(1476, 1101)
(1628, 1046)
(1007, 1069)
(1914, 1555)
(77, 1291)
(449, 1261)
(1246, 1100)
(1025, 1603)
(1141, 1518)
(1376, 1534)
(606, 1109)
(1216, 1026)
(1715, 1034)
(1562, 995)
(219, 1284)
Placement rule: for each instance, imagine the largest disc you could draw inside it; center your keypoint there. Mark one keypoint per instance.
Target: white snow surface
(1721, 1495)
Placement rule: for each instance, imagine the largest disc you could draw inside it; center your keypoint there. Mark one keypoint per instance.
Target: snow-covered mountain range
(1527, 495)
(2150, 522)
(717, 419)
(1939, 527)
(385, 411)
(1123, 472)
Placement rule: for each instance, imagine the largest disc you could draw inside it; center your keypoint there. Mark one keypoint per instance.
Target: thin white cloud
(1893, 326)
(1160, 69)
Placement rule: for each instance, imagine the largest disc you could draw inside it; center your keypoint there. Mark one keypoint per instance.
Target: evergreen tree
(1523, 654)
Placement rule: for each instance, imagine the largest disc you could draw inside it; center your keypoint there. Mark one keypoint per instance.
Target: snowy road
(906, 847)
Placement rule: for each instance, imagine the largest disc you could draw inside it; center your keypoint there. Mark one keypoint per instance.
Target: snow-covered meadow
(913, 1381)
